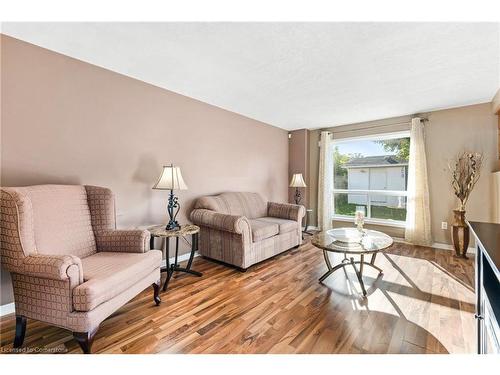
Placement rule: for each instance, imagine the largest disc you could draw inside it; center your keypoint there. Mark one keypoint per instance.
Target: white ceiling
(294, 75)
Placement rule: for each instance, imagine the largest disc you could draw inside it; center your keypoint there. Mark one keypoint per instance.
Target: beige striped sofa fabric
(242, 229)
(70, 266)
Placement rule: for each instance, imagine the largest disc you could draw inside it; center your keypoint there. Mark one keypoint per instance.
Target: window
(371, 175)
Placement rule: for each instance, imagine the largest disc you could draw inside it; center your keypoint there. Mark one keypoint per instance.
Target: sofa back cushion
(61, 220)
(250, 205)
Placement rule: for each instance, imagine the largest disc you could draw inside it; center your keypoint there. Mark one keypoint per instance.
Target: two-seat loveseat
(242, 229)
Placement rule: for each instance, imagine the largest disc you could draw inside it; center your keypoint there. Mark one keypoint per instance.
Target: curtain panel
(325, 182)
(418, 217)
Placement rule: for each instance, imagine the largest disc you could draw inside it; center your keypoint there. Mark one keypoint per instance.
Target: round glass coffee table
(351, 241)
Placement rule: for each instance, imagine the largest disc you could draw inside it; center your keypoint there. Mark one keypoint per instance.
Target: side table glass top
(351, 240)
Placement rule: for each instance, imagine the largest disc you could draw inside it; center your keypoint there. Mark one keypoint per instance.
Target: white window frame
(398, 193)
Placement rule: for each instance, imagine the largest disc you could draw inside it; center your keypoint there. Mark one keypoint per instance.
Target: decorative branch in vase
(466, 171)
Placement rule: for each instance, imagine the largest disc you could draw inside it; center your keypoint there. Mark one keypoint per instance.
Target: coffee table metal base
(346, 262)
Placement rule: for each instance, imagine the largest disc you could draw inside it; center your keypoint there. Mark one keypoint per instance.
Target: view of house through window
(371, 175)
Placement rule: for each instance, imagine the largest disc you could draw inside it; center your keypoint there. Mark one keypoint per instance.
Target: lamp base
(173, 208)
(298, 196)
(172, 225)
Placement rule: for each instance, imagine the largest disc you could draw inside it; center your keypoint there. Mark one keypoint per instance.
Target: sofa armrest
(55, 267)
(216, 220)
(123, 240)
(286, 211)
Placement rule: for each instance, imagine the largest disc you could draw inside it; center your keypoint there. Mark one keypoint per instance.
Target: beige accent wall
(495, 177)
(495, 108)
(447, 133)
(495, 185)
(298, 162)
(64, 121)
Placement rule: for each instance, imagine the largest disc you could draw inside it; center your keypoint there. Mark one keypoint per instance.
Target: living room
(250, 188)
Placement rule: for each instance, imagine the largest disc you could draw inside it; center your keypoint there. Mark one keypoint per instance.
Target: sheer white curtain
(325, 182)
(418, 217)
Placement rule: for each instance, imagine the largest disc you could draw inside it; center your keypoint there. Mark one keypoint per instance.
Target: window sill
(386, 223)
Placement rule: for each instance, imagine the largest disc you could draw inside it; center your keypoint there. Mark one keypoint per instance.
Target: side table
(306, 226)
(185, 230)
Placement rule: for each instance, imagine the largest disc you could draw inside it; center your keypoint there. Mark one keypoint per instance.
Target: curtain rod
(377, 126)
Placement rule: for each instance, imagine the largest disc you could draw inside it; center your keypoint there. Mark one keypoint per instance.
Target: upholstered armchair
(69, 264)
(242, 229)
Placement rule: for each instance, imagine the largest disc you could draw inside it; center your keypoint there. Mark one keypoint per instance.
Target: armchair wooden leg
(156, 295)
(85, 340)
(20, 330)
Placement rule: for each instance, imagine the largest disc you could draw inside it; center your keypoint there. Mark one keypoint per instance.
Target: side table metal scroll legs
(177, 233)
(306, 226)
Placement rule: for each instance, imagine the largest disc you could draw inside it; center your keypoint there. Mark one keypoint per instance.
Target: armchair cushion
(286, 211)
(61, 220)
(262, 229)
(284, 225)
(229, 223)
(123, 240)
(55, 267)
(107, 274)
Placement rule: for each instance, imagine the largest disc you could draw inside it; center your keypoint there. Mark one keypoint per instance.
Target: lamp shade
(170, 179)
(297, 181)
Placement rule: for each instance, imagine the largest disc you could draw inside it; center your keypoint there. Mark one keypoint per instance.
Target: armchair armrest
(286, 211)
(216, 220)
(55, 267)
(123, 240)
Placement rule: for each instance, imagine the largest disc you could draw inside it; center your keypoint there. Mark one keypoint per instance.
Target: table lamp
(171, 179)
(297, 182)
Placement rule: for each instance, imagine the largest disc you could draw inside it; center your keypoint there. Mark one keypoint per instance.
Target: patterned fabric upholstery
(44, 299)
(16, 228)
(286, 211)
(56, 267)
(123, 241)
(215, 220)
(48, 234)
(283, 224)
(61, 220)
(224, 246)
(108, 274)
(270, 247)
(242, 229)
(262, 229)
(101, 202)
(250, 205)
(80, 321)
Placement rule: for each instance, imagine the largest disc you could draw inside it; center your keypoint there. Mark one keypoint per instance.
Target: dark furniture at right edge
(487, 236)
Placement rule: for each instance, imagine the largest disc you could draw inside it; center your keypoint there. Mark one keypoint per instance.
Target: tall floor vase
(460, 233)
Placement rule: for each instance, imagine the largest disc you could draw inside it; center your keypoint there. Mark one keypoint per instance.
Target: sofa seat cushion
(263, 229)
(284, 225)
(107, 274)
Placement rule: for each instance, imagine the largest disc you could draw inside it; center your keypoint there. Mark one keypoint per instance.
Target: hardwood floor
(422, 304)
